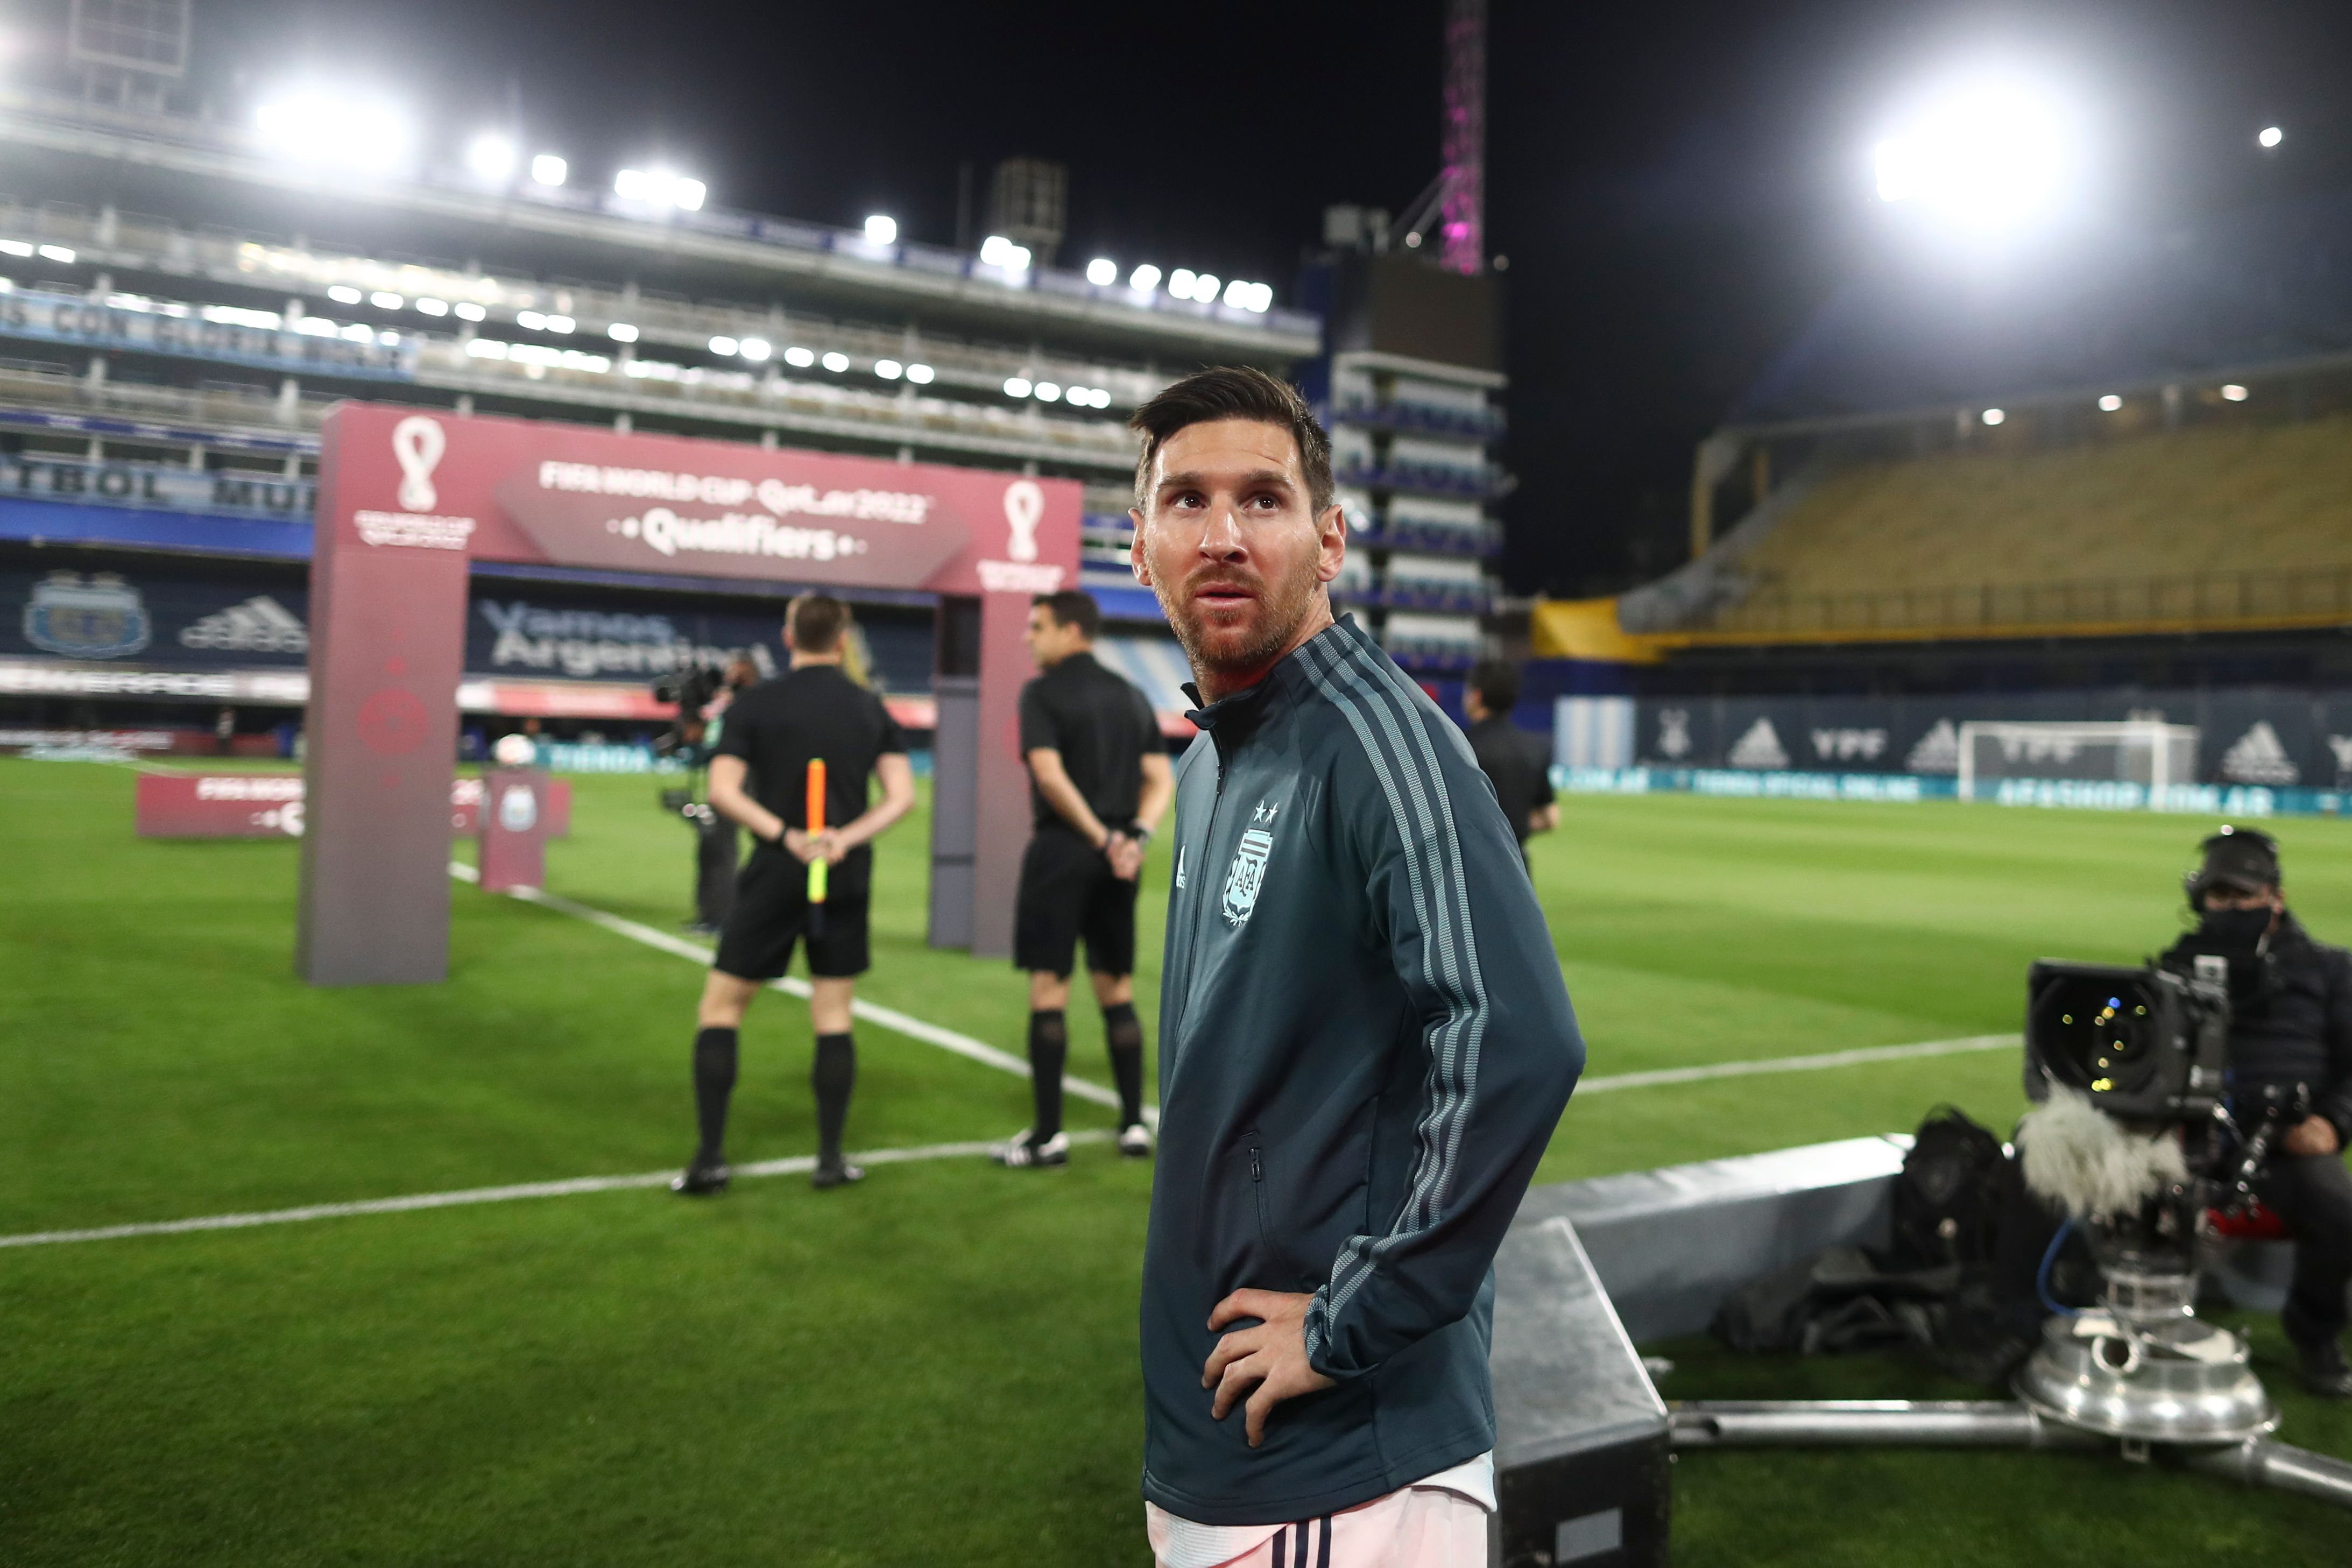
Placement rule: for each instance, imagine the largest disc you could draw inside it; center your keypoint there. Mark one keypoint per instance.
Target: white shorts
(1415, 1526)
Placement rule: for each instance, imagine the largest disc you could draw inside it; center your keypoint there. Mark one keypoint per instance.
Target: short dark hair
(1073, 607)
(814, 622)
(1233, 391)
(1497, 682)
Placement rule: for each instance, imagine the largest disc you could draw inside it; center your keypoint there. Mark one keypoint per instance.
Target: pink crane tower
(1464, 210)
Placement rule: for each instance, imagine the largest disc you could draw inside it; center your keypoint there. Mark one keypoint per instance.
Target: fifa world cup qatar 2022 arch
(407, 501)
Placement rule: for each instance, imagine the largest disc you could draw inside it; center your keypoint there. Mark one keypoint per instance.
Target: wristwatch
(1138, 832)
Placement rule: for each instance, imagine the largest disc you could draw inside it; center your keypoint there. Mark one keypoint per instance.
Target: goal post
(2144, 752)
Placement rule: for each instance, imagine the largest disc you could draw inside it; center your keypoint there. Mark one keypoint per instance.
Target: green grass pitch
(937, 1367)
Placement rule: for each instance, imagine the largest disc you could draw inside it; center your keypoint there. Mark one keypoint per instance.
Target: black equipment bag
(1948, 1200)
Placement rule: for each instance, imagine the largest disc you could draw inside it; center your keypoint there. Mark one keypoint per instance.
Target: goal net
(2140, 751)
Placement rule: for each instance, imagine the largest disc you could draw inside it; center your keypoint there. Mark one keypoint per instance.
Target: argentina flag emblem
(1247, 876)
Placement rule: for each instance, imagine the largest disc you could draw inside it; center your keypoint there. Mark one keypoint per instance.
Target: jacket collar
(1241, 713)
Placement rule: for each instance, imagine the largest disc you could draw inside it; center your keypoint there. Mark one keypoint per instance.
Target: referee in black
(1100, 782)
(1513, 761)
(759, 777)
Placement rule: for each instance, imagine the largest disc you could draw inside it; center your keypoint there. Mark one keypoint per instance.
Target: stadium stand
(2182, 531)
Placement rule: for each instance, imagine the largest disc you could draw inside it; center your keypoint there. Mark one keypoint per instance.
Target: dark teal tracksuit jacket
(1364, 1047)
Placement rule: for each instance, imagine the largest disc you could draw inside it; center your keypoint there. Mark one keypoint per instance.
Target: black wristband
(1138, 832)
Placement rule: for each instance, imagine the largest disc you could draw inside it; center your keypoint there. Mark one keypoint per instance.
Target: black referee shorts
(771, 914)
(1067, 892)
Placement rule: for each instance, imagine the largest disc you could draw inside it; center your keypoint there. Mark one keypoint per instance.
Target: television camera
(2136, 1138)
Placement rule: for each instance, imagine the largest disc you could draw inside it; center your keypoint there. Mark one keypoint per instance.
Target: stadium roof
(2270, 284)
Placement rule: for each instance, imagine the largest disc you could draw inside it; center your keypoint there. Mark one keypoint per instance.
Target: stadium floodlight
(344, 294)
(2271, 136)
(1046, 392)
(58, 253)
(16, 248)
(1261, 299)
(491, 157)
(998, 251)
(835, 363)
(1181, 281)
(547, 169)
(431, 307)
(1237, 291)
(468, 310)
(659, 188)
(889, 369)
(2234, 392)
(530, 320)
(620, 333)
(1017, 386)
(561, 324)
(1144, 279)
(724, 345)
(385, 300)
(2110, 403)
(920, 374)
(1204, 288)
(881, 230)
(756, 350)
(1102, 272)
(346, 130)
(1993, 415)
(800, 357)
(1987, 155)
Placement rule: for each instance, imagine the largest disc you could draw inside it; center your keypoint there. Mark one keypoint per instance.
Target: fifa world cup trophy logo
(417, 444)
(1025, 504)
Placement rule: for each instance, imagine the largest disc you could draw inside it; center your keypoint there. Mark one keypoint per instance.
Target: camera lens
(2095, 1034)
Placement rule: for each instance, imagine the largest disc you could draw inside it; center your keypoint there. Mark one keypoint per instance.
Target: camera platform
(2145, 1369)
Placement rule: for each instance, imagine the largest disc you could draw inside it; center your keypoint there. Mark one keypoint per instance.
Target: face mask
(2235, 930)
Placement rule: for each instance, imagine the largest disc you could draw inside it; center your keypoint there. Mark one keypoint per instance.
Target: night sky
(1677, 187)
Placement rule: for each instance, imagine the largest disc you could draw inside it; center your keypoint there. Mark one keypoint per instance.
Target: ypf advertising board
(407, 500)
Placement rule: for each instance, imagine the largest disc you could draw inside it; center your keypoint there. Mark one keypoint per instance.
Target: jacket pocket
(1235, 1250)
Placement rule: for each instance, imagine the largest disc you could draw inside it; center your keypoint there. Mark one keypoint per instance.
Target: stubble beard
(1284, 606)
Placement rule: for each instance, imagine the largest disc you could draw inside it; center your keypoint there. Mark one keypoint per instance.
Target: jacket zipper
(1192, 937)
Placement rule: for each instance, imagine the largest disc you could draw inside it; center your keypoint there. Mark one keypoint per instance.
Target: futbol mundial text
(735, 533)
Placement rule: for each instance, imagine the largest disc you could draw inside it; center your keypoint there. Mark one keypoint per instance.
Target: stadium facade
(182, 301)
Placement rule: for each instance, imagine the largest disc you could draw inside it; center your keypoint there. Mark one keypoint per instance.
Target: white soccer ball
(515, 752)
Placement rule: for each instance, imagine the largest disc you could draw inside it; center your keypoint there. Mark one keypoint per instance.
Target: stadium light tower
(1462, 210)
(1988, 155)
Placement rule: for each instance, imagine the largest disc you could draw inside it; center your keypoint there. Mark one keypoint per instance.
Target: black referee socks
(714, 1081)
(1124, 1036)
(833, 1076)
(1049, 1052)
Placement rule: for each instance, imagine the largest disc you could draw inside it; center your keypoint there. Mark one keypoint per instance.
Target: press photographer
(2290, 1024)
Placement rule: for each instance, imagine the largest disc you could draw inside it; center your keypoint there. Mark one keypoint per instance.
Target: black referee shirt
(779, 725)
(1103, 728)
(1513, 761)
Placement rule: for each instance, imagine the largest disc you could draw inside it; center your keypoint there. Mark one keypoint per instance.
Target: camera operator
(2291, 1024)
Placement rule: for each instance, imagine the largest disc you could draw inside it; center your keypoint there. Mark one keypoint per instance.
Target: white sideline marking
(1798, 1063)
(799, 1164)
(888, 1017)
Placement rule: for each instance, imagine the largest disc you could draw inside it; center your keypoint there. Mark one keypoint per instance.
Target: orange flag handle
(818, 867)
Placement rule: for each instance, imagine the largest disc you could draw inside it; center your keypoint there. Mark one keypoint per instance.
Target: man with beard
(2290, 1023)
(1365, 1044)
